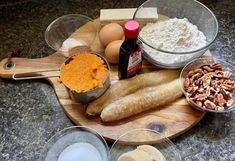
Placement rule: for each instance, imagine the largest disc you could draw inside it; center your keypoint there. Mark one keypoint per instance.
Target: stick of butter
(120, 16)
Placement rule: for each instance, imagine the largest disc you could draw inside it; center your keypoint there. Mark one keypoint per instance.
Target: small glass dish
(75, 143)
(198, 63)
(67, 32)
(196, 12)
(146, 137)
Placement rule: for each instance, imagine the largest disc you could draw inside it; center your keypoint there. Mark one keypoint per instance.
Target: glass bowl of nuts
(208, 84)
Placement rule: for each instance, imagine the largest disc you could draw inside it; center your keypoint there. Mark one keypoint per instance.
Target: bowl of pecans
(208, 84)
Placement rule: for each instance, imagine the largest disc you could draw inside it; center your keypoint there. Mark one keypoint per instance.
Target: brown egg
(112, 51)
(111, 32)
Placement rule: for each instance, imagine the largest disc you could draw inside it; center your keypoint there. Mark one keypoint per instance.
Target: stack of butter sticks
(120, 16)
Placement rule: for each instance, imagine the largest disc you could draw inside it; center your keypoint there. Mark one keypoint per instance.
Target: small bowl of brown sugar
(208, 84)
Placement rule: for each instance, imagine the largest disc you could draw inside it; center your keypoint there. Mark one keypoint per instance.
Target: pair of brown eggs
(111, 36)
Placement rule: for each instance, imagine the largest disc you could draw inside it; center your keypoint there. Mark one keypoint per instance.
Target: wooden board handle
(21, 65)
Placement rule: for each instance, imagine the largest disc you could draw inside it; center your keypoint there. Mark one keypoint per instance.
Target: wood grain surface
(171, 120)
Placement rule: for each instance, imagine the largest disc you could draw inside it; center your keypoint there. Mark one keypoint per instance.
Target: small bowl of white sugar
(75, 143)
(183, 31)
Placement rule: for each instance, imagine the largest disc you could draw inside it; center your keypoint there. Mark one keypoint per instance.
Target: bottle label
(135, 62)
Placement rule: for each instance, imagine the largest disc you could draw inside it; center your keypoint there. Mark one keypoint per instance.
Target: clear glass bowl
(65, 143)
(146, 137)
(64, 27)
(197, 13)
(196, 64)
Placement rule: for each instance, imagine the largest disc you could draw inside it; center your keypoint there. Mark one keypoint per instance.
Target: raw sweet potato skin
(142, 100)
(128, 86)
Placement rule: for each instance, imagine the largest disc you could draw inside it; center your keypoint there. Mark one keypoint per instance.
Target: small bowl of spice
(208, 84)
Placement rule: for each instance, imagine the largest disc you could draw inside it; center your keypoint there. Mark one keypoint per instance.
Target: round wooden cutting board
(171, 120)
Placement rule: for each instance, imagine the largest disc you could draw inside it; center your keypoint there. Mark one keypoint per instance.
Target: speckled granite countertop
(29, 111)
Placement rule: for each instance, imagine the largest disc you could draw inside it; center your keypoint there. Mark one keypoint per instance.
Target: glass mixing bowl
(75, 143)
(60, 35)
(197, 13)
(196, 64)
(146, 137)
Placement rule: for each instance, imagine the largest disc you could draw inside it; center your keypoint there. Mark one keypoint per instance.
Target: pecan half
(213, 83)
(218, 75)
(199, 103)
(198, 70)
(227, 87)
(211, 98)
(190, 73)
(220, 99)
(219, 108)
(229, 102)
(216, 66)
(227, 95)
(213, 90)
(201, 90)
(194, 92)
(227, 74)
(209, 105)
(208, 91)
(196, 76)
(206, 79)
(200, 97)
(186, 83)
(189, 90)
(229, 82)
(199, 81)
(207, 68)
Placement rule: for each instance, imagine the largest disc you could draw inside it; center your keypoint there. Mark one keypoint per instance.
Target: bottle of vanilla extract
(130, 56)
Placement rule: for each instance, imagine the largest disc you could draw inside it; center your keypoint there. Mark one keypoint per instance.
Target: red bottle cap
(131, 29)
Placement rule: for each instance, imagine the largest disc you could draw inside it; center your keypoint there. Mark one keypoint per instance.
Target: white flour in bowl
(176, 35)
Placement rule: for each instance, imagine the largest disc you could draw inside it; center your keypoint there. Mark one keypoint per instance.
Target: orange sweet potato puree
(84, 72)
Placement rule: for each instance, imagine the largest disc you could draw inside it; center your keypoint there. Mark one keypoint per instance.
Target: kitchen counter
(29, 111)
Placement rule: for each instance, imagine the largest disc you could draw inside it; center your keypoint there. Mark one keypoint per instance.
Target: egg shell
(112, 51)
(111, 32)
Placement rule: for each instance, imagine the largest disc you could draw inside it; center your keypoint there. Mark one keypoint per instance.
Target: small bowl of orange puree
(86, 75)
